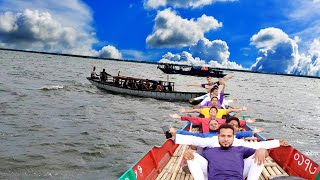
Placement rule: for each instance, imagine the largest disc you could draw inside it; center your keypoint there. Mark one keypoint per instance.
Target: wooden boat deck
(271, 168)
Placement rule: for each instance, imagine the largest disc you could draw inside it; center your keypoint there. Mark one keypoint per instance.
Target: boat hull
(291, 160)
(192, 73)
(162, 95)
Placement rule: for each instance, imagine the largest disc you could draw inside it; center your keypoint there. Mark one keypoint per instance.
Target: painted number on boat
(302, 160)
(140, 171)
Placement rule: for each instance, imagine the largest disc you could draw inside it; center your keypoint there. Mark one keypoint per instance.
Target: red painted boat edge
(152, 163)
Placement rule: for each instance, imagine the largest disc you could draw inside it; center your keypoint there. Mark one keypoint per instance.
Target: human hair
(214, 97)
(225, 116)
(225, 126)
(233, 118)
(213, 108)
(214, 88)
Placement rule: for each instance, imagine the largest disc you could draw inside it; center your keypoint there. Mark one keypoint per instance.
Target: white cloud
(170, 30)
(110, 52)
(51, 26)
(154, 4)
(184, 58)
(269, 37)
(209, 52)
(216, 50)
(278, 53)
(309, 64)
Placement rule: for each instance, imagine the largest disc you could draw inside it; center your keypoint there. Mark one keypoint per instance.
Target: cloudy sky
(281, 36)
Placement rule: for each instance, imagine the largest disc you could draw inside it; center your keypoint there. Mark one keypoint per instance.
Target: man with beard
(225, 161)
(198, 165)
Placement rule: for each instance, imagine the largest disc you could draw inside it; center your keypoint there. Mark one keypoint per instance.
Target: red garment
(204, 122)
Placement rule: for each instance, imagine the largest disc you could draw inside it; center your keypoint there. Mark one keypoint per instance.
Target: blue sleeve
(205, 135)
(243, 134)
(247, 152)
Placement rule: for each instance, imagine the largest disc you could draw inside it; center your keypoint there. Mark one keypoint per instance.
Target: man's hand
(175, 115)
(191, 100)
(283, 142)
(257, 130)
(260, 156)
(173, 132)
(188, 154)
(221, 81)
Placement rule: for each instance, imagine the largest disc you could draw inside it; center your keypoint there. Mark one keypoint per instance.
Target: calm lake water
(55, 125)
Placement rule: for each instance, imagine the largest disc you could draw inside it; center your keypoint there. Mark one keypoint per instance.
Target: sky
(273, 36)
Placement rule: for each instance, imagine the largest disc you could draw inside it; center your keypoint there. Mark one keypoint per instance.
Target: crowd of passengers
(129, 83)
(220, 150)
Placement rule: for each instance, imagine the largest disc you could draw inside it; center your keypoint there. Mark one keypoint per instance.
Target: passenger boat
(190, 70)
(163, 90)
(165, 163)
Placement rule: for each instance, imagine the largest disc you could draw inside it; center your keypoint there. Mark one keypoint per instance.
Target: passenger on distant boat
(104, 75)
(159, 86)
(146, 85)
(94, 75)
(204, 68)
(199, 165)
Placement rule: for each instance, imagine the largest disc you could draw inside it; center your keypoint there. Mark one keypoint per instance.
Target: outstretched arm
(244, 108)
(194, 85)
(197, 141)
(190, 110)
(194, 120)
(228, 77)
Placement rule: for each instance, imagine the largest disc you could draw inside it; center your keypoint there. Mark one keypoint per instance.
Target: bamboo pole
(174, 174)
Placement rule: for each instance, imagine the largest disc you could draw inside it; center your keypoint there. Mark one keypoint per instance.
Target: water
(55, 125)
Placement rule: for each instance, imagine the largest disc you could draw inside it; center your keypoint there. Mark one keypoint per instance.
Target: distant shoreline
(146, 62)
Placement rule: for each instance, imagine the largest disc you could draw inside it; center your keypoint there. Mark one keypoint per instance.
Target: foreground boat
(190, 70)
(143, 88)
(164, 163)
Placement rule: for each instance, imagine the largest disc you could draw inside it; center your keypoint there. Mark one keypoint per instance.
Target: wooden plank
(261, 177)
(187, 177)
(276, 170)
(183, 175)
(270, 171)
(278, 167)
(164, 176)
(179, 174)
(177, 150)
(265, 173)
